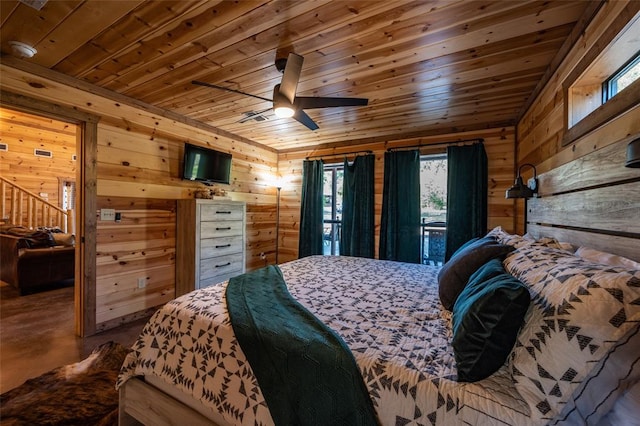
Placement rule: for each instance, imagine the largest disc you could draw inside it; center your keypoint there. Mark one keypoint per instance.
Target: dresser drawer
(221, 229)
(212, 247)
(216, 266)
(219, 278)
(221, 212)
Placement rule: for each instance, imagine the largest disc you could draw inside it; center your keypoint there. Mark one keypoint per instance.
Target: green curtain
(310, 238)
(400, 222)
(467, 193)
(358, 229)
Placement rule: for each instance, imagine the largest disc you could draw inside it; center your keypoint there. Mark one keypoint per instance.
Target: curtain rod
(436, 144)
(340, 155)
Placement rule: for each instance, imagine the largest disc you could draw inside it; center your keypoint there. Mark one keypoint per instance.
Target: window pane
(630, 76)
(327, 192)
(339, 178)
(433, 201)
(332, 208)
(621, 79)
(433, 188)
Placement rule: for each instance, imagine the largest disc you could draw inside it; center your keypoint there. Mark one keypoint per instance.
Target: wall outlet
(107, 214)
(142, 282)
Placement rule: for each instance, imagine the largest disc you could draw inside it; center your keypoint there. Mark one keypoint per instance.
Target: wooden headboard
(593, 201)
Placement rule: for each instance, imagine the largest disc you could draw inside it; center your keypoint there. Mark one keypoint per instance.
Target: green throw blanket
(307, 374)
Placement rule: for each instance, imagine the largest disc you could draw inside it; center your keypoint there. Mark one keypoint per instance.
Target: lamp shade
(633, 154)
(519, 190)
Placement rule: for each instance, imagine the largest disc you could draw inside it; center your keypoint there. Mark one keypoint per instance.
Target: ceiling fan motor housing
(281, 63)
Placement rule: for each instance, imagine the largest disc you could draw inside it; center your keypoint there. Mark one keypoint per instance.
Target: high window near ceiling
(606, 82)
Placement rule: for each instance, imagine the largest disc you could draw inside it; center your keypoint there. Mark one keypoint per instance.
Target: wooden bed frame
(142, 403)
(593, 201)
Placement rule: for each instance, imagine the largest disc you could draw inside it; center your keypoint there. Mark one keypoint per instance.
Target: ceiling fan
(285, 102)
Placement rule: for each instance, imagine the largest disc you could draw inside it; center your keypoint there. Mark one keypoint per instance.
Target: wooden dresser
(210, 242)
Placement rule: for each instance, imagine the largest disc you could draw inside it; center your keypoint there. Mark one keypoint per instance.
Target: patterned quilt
(389, 315)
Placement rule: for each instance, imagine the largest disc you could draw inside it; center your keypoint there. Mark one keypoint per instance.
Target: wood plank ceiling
(427, 67)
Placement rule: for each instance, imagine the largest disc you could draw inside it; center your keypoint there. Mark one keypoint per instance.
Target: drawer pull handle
(224, 245)
(223, 229)
(221, 266)
(217, 212)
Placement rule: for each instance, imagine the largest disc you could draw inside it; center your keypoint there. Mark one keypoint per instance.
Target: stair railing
(19, 206)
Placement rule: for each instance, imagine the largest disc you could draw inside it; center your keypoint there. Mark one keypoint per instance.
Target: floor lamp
(277, 220)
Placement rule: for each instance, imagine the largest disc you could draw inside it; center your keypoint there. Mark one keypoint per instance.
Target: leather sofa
(31, 264)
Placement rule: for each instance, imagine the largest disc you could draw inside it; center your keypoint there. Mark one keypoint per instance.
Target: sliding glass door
(332, 208)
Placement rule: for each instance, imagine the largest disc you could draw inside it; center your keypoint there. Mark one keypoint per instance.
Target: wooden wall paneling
(261, 220)
(500, 147)
(592, 201)
(141, 246)
(86, 141)
(624, 246)
(130, 135)
(24, 133)
(596, 168)
(119, 110)
(604, 209)
(541, 128)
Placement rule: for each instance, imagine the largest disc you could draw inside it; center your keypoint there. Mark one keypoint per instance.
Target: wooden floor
(37, 334)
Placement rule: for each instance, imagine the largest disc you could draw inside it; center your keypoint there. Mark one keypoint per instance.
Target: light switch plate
(107, 214)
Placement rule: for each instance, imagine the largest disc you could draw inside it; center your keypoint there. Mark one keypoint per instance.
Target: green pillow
(486, 320)
(465, 261)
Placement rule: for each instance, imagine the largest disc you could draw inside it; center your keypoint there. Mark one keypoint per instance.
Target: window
(621, 79)
(433, 204)
(332, 209)
(67, 191)
(602, 75)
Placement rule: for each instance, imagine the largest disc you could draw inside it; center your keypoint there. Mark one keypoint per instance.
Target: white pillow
(579, 311)
(603, 258)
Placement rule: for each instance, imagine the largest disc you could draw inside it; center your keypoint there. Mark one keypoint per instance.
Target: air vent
(4, 147)
(36, 4)
(42, 153)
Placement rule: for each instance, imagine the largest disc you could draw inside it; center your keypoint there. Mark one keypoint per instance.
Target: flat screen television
(206, 165)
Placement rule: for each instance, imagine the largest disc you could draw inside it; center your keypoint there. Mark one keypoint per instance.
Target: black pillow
(486, 319)
(465, 261)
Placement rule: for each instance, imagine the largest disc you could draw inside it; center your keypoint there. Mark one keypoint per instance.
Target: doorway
(84, 223)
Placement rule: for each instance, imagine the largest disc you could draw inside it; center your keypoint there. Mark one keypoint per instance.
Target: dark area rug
(78, 394)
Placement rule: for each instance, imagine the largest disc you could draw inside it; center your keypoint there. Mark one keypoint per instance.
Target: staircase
(19, 206)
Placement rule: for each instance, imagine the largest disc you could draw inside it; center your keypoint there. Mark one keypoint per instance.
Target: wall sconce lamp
(633, 154)
(519, 189)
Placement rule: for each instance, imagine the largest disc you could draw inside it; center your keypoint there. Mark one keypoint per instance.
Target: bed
(400, 336)
(574, 359)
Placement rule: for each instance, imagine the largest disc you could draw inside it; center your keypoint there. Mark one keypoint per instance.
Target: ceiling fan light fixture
(283, 111)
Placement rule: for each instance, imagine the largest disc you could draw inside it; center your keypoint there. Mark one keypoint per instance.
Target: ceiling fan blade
(291, 76)
(308, 102)
(303, 118)
(202, 83)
